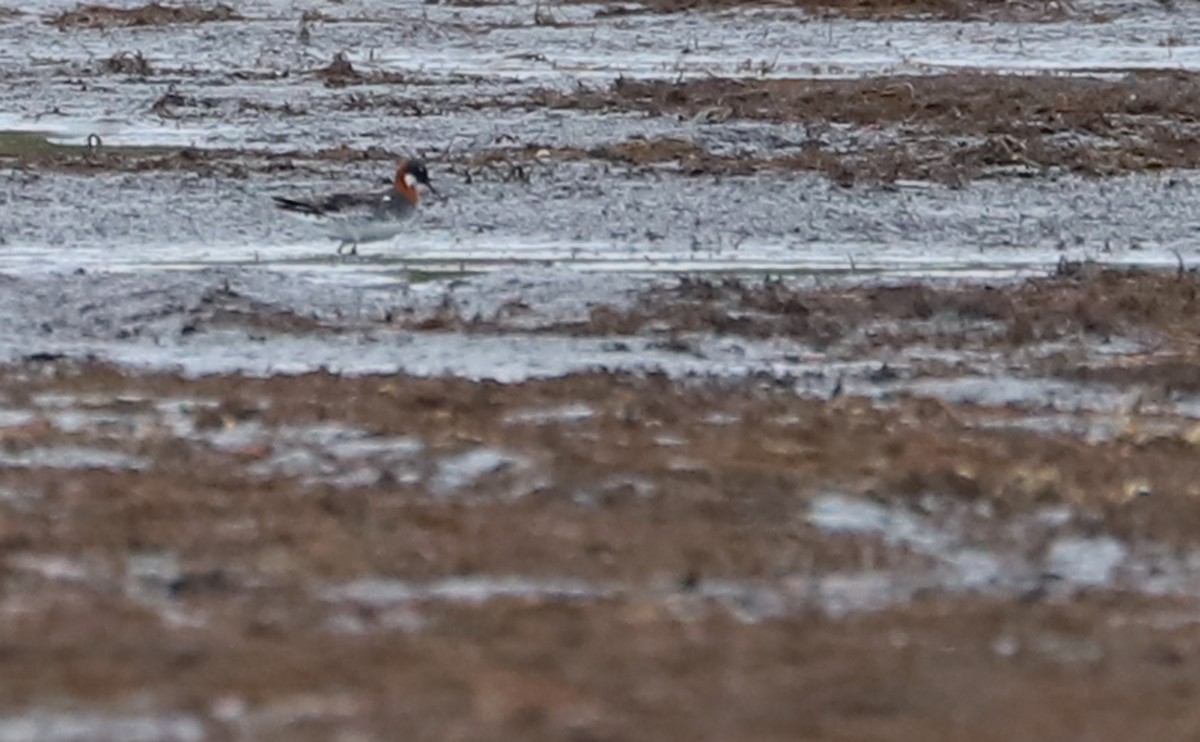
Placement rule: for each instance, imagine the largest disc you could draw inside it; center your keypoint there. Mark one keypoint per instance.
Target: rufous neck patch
(406, 185)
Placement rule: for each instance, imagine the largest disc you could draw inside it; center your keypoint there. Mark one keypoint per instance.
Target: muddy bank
(747, 447)
(942, 127)
(1077, 335)
(1103, 354)
(1077, 300)
(153, 14)
(975, 103)
(945, 128)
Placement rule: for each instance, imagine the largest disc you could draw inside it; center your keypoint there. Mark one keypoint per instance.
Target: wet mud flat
(789, 370)
(739, 506)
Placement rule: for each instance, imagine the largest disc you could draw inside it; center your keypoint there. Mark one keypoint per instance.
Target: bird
(364, 217)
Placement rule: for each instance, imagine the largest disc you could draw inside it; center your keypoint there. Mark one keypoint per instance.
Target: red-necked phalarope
(364, 217)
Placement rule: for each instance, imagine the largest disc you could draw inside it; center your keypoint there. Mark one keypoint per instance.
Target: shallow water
(797, 224)
(594, 216)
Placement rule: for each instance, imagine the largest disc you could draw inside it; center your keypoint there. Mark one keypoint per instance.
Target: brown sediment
(689, 501)
(726, 497)
(544, 671)
(209, 578)
(153, 14)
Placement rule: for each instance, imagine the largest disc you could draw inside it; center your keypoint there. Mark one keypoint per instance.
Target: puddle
(383, 593)
(1004, 391)
(503, 358)
(11, 418)
(462, 470)
(48, 726)
(71, 457)
(963, 566)
(750, 601)
(840, 514)
(119, 132)
(615, 486)
(993, 559)
(52, 567)
(262, 719)
(844, 594)
(332, 454)
(1092, 430)
(1088, 562)
(403, 447)
(746, 601)
(153, 571)
(76, 421)
(569, 413)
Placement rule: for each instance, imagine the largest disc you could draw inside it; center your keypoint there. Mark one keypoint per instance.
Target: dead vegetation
(340, 73)
(153, 14)
(1026, 11)
(129, 63)
(687, 155)
(1096, 302)
(216, 162)
(1079, 301)
(769, 452)
(873, 165)
(1165, 376)
(967, 103)
(948, 128)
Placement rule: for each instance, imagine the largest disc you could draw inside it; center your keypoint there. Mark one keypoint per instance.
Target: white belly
(354, 230)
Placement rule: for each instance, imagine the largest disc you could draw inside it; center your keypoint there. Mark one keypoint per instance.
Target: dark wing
(297, 206)
(338, 203)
